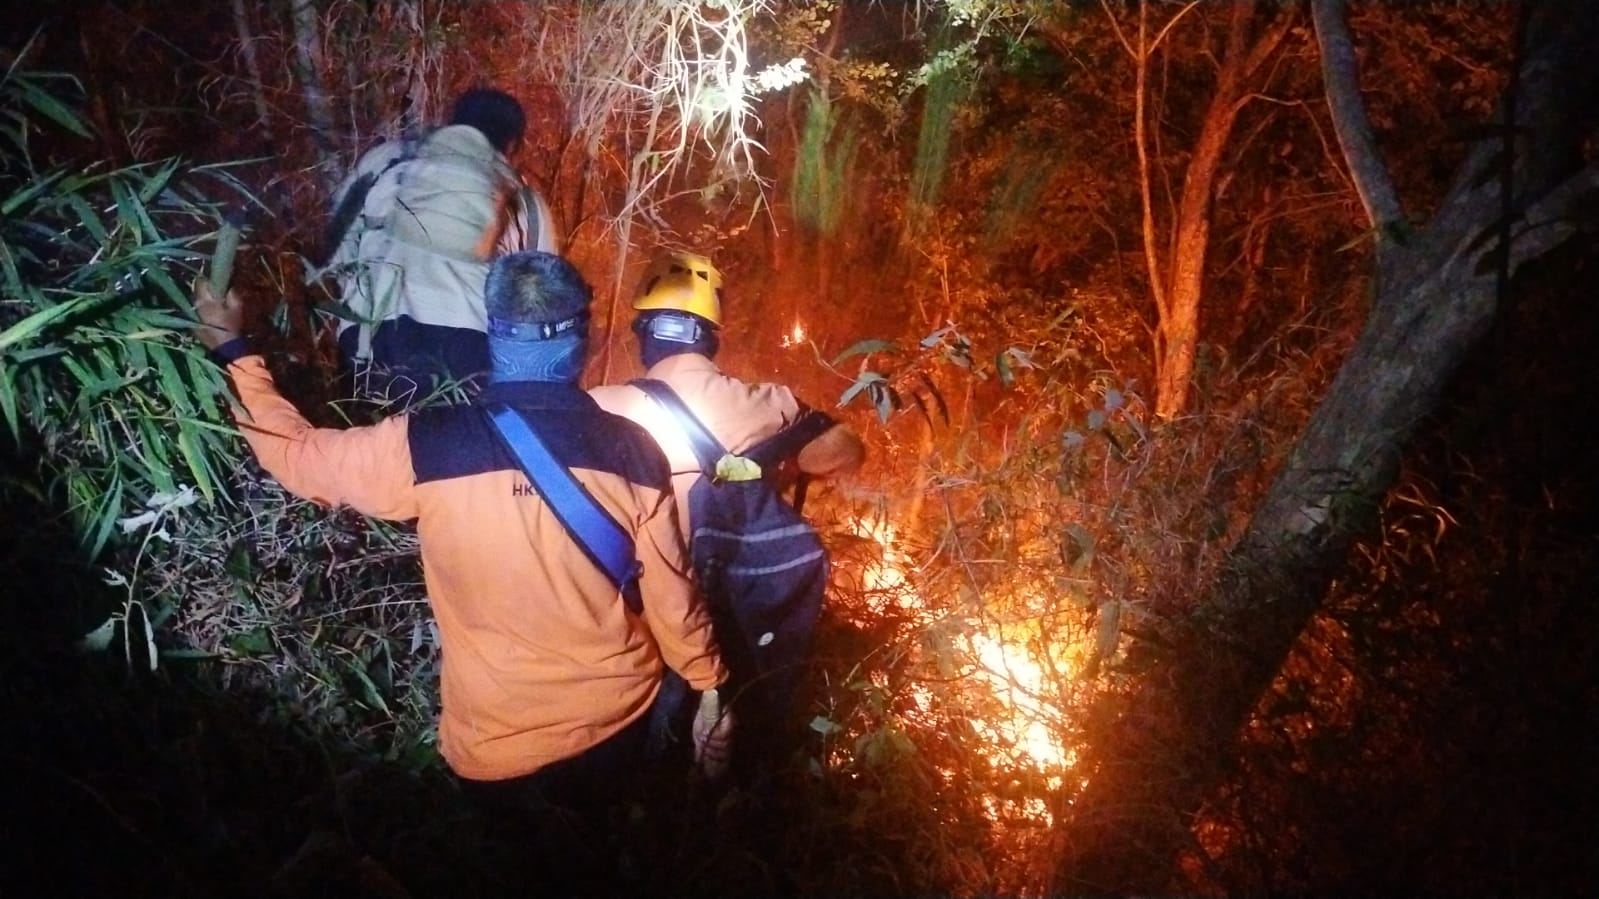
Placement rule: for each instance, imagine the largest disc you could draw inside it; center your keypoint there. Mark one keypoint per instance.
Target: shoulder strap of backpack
(706, 447)
(354, 200)
(596, 532)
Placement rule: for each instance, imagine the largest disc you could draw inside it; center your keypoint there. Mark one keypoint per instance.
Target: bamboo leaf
(369, 691)
(149, 638)
(884, 398)
(195, 460)
(937, 395)
(29, 192)
(45, 103)
(157, 183)
(8, 400)
(1110, 628)
(200, 377)
(89, 218)
(189, 655)
(106, 519)
(38, 321)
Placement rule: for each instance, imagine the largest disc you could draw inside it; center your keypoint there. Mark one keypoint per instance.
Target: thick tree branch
(1340, 71)
(1268, 43)
(1551, 220)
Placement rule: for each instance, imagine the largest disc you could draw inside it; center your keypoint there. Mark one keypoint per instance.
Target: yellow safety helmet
(683, 282)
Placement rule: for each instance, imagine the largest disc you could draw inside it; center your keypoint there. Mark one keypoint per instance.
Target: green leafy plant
(96, 367)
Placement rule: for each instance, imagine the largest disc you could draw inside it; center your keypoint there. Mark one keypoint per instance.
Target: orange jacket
(541, 659)
(737, 414)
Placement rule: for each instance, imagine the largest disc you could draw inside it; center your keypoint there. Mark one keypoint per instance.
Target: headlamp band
(507, 330)
(673, 327)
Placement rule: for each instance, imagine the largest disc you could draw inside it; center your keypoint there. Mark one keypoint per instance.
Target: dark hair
(535, 287)
(494, 112)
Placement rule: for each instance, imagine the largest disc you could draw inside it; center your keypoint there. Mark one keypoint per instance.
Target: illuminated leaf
(153, 658)
(370, 695)
(885, 398)
(36, 322)
(737, 468)
(98, 639)
(1110, 628)
(867, 347)
(1077, 549)
(825, 726)
(862, 382)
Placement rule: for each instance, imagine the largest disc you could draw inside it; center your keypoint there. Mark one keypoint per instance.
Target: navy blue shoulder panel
(458, 441)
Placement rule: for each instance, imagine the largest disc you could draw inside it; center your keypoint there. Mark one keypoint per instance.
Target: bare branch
(1554, 217)
(1340, 71)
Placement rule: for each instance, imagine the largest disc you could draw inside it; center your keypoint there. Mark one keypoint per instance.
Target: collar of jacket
(536, 394)
(459, 140)
(682, 362)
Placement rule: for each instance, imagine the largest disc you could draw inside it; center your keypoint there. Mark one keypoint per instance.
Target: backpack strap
(809, 425)
(595, 531)
(354, 202)
(706, 447)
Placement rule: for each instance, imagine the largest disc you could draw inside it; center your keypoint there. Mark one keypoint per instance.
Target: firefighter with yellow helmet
(679, 304)
(678, 322)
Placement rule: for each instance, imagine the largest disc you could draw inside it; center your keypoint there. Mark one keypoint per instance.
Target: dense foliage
(943, 236)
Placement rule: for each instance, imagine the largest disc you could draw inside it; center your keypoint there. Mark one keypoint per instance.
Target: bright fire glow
(1010, 683)
(795, 336)
(1018, 680)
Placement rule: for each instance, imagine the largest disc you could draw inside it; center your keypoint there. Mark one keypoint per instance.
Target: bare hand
(221, 320)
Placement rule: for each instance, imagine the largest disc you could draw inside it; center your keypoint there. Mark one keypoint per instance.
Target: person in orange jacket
(547, 675)
(678, 323)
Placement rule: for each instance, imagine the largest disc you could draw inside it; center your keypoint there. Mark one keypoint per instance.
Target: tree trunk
(309, 65)
(1436, 293)
(252, 67)
(1179, 325)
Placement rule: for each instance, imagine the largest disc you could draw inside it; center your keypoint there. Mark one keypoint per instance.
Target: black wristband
(231, 351)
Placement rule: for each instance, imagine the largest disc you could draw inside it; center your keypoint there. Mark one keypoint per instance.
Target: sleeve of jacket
(676, 615)
(368, 469)
(835, 452)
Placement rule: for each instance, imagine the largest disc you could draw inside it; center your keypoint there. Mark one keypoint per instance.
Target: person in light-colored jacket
(414, 229)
